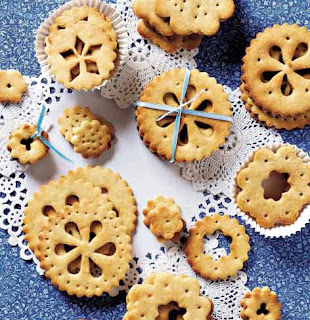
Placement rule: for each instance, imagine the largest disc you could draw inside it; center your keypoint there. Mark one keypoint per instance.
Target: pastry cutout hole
(286, 87)
(9, 85)
(94, 269)
(67, 55)
(116, 211)
(48, 210)
(95, 229)
(205, 105)
(183, 136)
(172, 311)
(205, 129)
(262, 309)
(72, 229)
(300, 51)
(276, 53)
(223, 248)
(108, 249)
(268, 75)
(171, 99)
(92, 67)
(75, 72)
(71, 199)
(167, 20)
(104, 191)
(190, 93)
(85, 19)
(79, 45)
(62, 249)
(27, 143)
(74, 266)
(93, 49)
(305, 73)
(163, 123)
(276, 185)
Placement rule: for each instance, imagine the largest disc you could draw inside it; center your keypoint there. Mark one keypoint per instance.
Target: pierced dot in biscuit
(48, 210)
(71, 199)
(9, 85)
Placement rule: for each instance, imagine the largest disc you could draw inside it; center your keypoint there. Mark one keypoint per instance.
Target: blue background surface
(283, 264)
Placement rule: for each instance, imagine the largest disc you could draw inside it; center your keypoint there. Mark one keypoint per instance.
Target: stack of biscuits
(89, 134)
(276, 77)
(80, 228)
(172, 25)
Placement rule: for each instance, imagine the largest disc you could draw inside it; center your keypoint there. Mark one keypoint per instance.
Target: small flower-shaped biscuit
(12, 86)
(260, 303)
(23, 148)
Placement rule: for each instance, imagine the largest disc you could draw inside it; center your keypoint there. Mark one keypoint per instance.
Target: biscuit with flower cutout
(144, 300)
(276, 70)
(86, 250)
(261, 303)
(91, 138)
(194, 16)
(225, 266)
(198, 137)
(287, 123)
(24, 149)
(169, 44)
(12, 86)
(251, 197)
(114, 187)
(81, 56)
(52, 198)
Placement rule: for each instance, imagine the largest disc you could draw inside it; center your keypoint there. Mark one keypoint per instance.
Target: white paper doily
(39, 90)
(215, 173)
(144, 62)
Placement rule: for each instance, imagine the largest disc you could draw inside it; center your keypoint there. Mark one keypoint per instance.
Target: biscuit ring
(260, 303)
(12, 86)
(144, 300)
(198, 137)
(250, 197)
(51, 199)
(276, 70)
(88, 261)
(201, 16)
(287, 123)
(116, 189)
(24, 149)
(226, 266)
(81, 56)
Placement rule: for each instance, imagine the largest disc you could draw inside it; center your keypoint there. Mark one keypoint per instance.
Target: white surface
(146, 174)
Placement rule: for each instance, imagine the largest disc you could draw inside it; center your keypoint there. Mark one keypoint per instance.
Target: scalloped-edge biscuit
(12, 86)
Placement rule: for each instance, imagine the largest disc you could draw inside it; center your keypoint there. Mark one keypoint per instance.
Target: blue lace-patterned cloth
(284, 265)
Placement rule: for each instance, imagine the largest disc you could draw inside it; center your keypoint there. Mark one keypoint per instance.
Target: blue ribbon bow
(180, 110)
(38, 134)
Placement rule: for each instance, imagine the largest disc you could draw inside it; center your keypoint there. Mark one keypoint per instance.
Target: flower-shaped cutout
(85, 250)
(277, 70)
(198, 137)
(81, 55)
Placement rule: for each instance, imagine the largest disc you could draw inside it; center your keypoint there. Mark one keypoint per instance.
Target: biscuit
(251, 196)
(200, 16)
(260, 303)
(79, 263)
(287, 123)
(169, 311)
(82, 55)
(114, 187)
(225, 266)
(52, 198)
(169, 44)
(198, 137)
(12, 86)
(146, 299)
(91, 138)
(145, 10)
(276, 70)
(163, 217)
(24, 149)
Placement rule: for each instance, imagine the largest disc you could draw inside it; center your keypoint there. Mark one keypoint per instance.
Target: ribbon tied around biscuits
(180, 110)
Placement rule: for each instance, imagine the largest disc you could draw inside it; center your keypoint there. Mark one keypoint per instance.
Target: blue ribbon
(38, 134)
(180, 110)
